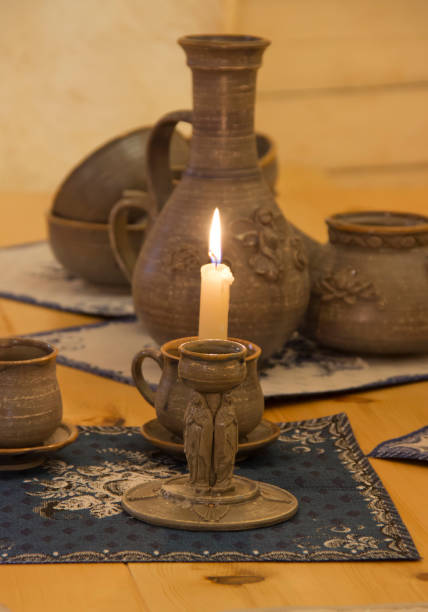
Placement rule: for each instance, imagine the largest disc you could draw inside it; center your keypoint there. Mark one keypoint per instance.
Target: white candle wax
(214, 306)
(216, 279)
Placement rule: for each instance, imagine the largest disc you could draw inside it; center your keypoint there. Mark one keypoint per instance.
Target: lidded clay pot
(267, 257)
(370, 284)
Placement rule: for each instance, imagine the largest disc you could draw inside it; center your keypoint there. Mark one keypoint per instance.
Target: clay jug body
(370, 284)
(267, 257)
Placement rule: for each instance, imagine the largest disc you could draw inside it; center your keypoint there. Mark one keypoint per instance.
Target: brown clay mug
(30, 399)
(171, 397)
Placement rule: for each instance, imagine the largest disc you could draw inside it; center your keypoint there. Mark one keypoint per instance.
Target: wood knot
(422, 576)
(113, 421)
(235, 580)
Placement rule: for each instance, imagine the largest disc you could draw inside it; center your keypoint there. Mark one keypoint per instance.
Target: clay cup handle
(124, 252)
(137, 372)
(158, 172)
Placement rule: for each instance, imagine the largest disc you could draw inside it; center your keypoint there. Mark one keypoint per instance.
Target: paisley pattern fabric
(413, 445)
(301, 368)
(69, 509)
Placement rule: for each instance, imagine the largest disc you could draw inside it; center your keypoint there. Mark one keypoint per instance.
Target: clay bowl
(78, 221)
(268, 161)
(94, 186)
(84, 249)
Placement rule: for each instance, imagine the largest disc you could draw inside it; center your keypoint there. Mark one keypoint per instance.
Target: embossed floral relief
(298, 253)
(376, 241)
(262, 238)
(345, 285)
(183, 258)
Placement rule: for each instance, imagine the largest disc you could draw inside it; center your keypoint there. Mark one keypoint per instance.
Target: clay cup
(30, 399)
(212, 366)
(171, 397)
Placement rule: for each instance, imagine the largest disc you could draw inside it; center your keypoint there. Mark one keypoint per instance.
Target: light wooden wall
(344, 84)
(74, 73)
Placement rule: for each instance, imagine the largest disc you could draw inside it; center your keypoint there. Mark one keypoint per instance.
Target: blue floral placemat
(30, 273)
(413, 445)
(69, 509)
(302, 368)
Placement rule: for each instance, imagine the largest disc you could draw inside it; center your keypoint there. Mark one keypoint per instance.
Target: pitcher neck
(224, 72)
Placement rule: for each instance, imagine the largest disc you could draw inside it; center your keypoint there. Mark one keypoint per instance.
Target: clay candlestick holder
(210, 497)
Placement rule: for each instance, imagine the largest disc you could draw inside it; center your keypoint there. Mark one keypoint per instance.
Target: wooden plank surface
(69, 588)
(336, 129)
(337, 43)
(307, 196)
(344, 83)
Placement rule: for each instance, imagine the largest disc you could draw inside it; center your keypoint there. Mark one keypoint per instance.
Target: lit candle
(216, 279)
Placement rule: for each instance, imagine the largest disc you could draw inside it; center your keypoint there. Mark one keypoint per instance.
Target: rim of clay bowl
(263, 160)
(224, 40)
(51, 353)
(189, 349)
(90, 158)
(256, 351)
(269, 156)
(349, 222)
(52, 218)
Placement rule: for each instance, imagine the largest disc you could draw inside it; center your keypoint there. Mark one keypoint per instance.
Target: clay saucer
(264, 434)
(15, 463)
(12, 459)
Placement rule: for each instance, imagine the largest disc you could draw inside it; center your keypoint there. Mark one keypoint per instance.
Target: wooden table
(170, 587)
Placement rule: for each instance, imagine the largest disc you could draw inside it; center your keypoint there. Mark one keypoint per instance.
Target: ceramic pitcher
(265, 253)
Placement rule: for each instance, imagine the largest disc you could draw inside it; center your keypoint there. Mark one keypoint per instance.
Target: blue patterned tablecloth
(69, 510)
(301, 368)
(413, 445)
(30, 273)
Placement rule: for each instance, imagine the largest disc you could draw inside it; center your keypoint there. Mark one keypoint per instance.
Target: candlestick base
(210, 497)
(176, 503)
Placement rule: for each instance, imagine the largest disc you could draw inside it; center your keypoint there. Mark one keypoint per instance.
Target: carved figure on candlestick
(198, 440)
(210, 441)
(225, 443)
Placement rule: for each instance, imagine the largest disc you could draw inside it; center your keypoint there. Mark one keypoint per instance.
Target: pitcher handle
(159, 175)
(124, 252)
(137, 372)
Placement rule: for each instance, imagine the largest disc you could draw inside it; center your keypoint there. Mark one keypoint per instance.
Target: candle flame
(215, 238)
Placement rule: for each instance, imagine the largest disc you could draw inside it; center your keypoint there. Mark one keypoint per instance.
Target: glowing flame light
(215, 239)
